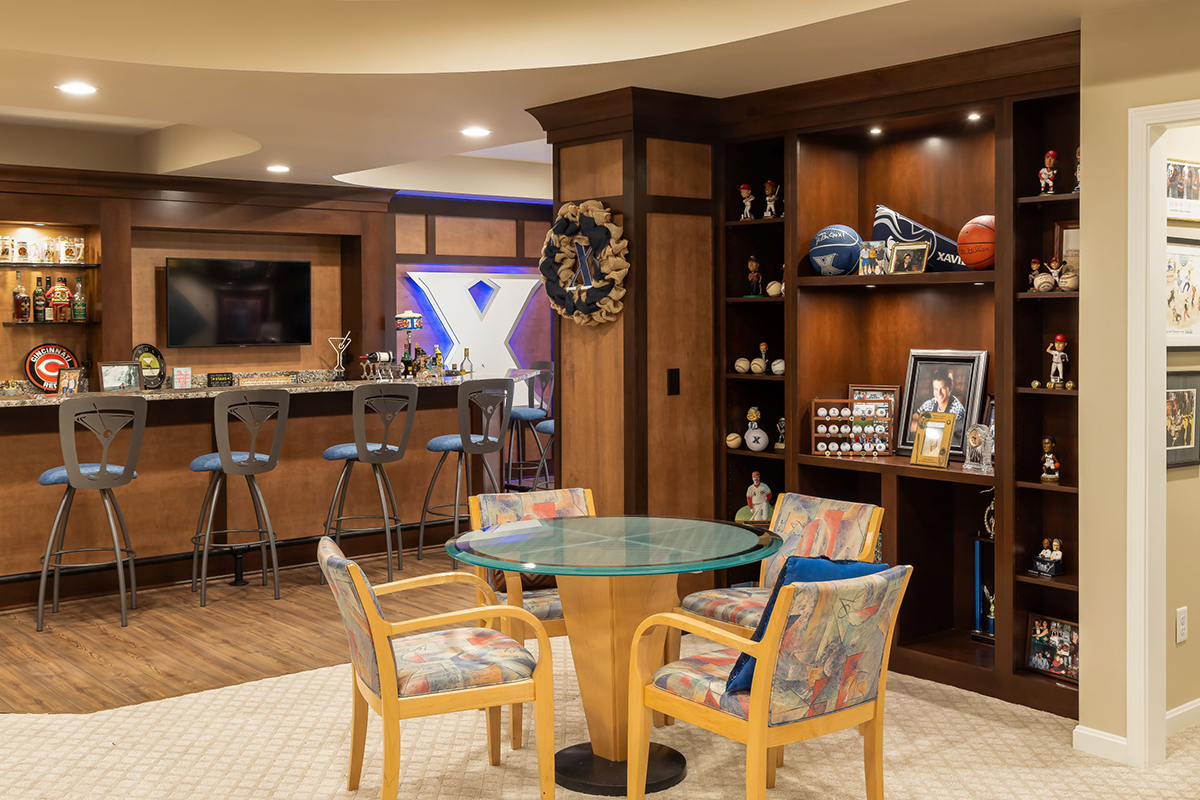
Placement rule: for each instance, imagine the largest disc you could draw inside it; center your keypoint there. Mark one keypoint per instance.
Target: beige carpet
(287, 738)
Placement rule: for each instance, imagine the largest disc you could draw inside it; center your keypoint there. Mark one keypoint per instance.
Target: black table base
(579, 769)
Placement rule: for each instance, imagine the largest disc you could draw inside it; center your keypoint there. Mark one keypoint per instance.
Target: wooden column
(116, 281)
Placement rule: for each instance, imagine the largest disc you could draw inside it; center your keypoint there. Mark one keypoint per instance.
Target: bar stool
(525, 418)
(104, 417)
(546, 428)
(488, 396)
(388, 401)
(253, 408)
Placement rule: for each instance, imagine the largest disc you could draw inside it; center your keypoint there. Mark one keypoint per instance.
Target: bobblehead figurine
(771, 194)
(1059, 358)
(755, 278)
(1046, 174)
(747, 199)
(1050, 465)
(756, 438)
(780, 426)
(758, 498)
(1035, 267)
(1055, 271)
(1077, 162)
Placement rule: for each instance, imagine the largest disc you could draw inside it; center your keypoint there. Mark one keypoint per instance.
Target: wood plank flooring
(85, 661)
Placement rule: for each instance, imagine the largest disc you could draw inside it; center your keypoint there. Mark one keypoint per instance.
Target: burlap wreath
(589, 224)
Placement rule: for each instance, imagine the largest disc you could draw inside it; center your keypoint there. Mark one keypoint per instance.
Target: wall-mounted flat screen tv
(219, 302)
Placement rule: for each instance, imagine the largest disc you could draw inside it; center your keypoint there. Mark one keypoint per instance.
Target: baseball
(857, 447)
(822, 412)
(822, 447)
(733, 441)
(741, 365)
(845, 412)
(777, 366)
(758, 366)
(845, 447)
(774, 289)
(821, 429)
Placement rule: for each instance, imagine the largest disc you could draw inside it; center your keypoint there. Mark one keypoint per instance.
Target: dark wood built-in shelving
(1038, 199)
(12, 324)
(738, 223)
(1055, 295)
(983, 277)
(46, 266)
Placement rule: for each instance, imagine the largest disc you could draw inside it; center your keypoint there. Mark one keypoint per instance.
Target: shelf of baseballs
(748, 376)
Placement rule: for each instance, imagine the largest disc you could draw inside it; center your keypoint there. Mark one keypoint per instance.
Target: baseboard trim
(1182, 717)
(1099, 743)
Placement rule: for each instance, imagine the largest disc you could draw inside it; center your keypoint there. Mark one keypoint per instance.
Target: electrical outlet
(1181, 625)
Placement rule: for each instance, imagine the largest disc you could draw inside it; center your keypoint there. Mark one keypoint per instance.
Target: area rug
(288, 738)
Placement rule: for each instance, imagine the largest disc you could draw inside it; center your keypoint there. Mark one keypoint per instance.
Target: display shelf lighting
(76, 88)
(278, 168)
(876, 131)
(475, 132)
(974, 116)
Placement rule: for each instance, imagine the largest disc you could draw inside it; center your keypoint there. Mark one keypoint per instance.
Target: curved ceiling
(287, 78)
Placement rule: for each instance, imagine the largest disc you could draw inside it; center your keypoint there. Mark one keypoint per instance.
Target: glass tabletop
(613, 546)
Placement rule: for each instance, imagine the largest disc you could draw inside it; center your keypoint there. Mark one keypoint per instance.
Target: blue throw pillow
(797, 569)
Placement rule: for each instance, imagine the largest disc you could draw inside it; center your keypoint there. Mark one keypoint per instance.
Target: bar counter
(162, 505)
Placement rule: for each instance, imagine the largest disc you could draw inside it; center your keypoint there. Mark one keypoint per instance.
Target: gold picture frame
(935, 433)
(919, 255)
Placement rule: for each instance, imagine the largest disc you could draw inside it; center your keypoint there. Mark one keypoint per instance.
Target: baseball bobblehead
(758, 499)
(1046, 174)
(771, 194)
(747, 199)
(1059, 359)
(755, 437)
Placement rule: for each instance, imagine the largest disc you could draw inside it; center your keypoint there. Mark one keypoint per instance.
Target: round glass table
(612, 573)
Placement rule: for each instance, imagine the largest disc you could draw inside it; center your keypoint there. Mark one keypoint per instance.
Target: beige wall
(1124, 65)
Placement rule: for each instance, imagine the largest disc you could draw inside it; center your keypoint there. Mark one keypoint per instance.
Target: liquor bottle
(39, 302)
(21, 307)
(79, 302)
(60, 300)
(467, 367)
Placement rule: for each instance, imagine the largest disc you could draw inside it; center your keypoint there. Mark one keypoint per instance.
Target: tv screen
(217, 302)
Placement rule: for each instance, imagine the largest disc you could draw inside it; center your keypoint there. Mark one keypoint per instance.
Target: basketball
(977, 242)
(834, 250)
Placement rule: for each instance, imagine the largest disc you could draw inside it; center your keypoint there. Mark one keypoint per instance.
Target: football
(834, 250)
(977, 242)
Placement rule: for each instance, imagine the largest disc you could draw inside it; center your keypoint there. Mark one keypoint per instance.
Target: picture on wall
(1053, 647)
(1182, 293)
(944, 381)
(1183, 190)
(1183, 449)
(1066, 244)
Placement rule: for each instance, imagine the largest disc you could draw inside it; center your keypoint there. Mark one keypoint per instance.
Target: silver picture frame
(925, 367)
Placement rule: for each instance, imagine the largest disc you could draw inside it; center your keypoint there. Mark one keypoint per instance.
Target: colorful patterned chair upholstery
(821, 667)
(403, 676)
(537, 594)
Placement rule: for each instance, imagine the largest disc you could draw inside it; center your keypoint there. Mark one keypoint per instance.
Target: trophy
(779, 426)
(339, 345)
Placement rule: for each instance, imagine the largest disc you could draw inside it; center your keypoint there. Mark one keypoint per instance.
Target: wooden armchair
(401, 676)
(543, 601)
(821, 667)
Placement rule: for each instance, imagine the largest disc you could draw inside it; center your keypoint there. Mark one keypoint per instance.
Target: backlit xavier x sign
(480, 310)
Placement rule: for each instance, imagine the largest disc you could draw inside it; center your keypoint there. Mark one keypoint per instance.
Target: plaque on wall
(220, 379)
(43, 363)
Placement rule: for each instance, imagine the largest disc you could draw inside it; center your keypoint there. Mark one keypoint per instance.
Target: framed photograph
(1183, 449)
(1053, 647)
(181, 378)
(873, 258)
(989, 413)
(1066, 243)
(908, 257)
(947, 381)
(935, 430)
(71, 380)
(121, 376)
(1183, 190)
(1183, 296)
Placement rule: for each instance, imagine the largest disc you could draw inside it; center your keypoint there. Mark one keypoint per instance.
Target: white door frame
(1146, 492)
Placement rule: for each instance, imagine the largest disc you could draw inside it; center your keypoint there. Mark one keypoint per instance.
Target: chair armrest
(473, 615)
(693, 624)
(459, 576)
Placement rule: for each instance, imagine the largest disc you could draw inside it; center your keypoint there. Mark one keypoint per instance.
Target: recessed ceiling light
(76, 87)
(475, 132)
(876, 131)
(278, 168)
(974, 116)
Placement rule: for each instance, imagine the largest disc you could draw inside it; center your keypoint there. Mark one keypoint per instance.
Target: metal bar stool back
(386, 402)
(253, 408)
(525, 420)
(105, 418)
(488, 401)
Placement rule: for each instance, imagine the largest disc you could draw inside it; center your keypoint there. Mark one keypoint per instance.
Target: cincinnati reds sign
(43, 363)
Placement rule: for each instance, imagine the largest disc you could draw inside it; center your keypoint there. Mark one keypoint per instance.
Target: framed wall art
(121, 376)
(1183, 449)
(1182, 294)
(946, 381)
(1183, 190)
(1052, 647)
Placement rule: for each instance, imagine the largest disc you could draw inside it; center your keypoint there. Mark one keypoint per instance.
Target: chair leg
(262, 548)
(208, 497)
(337, 492)
(873, 756)
(772, 762)
(542, 466)
(116, 540)
(391, 758)
(508, 464)
(212, 510)
(779, 756)
(640, 717)
(128, 546)
(50, 542)
(756, 771)
(341, 509)
(493, 735)
(516, 711)
(358, 735)
(458, 475)
(62, 540)
(425, 506)
(262, 505)
(670, 652)
(387, 518)
(543, 729)
(487, 468)
(387, 484)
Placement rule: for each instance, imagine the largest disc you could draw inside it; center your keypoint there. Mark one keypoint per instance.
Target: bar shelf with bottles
(58, 306)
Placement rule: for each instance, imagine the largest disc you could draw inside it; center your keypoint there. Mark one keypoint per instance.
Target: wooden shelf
(740, 223)
(749, 376)
(1044, 390)
(1057, 295)
(955, 646)
(45, 266)
(11, 324)
(984, 539)
(1067, 582)
(1039, 678)
(754, 299)
(985, 277)
(899, 465)
(1038, 199)
(768, 453)
(1048, 487)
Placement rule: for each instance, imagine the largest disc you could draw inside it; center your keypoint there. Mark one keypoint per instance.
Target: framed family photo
(71, 381)
(1183, 448)
(1052, 647)
(945, 381)
(908, 257)
(1183, 190)
(121, 376)
(1182, 294)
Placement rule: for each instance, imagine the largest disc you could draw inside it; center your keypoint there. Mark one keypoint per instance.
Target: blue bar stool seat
(477, 399)
(105, 418)
(524, 421)
(254, 408)
(385, 401)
